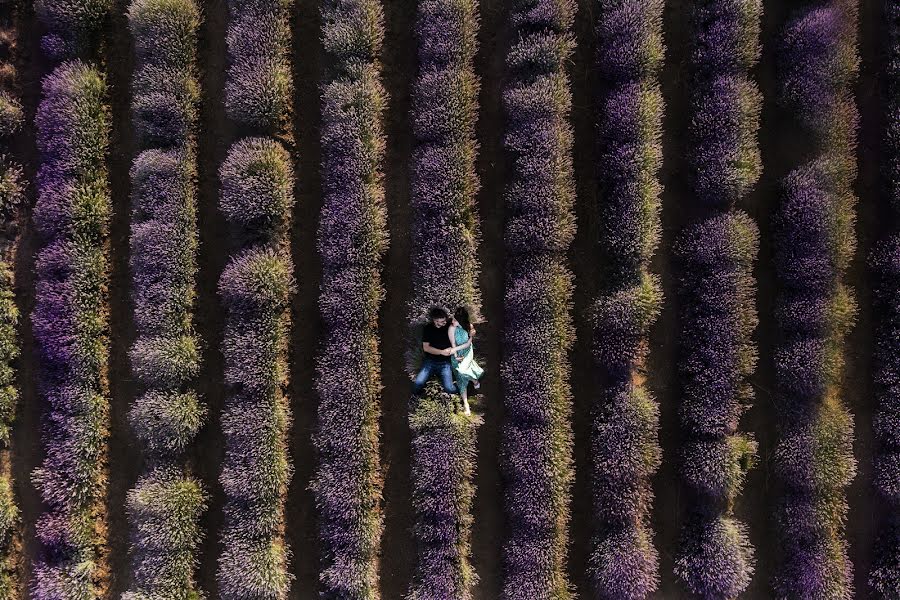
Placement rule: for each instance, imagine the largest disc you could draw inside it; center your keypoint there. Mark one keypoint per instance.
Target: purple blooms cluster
(257, 196)
(445, 272)
(166, 504)
(70, 323)
(11, 196)
(716, 291)
(884, 578)
(715, 256)
(352, 239)
(814, 242)
(259, 85)
(71, 25)
(624, 448)
(536, 457)
(443, 469)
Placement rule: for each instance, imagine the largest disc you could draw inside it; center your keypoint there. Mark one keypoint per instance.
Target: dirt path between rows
(302, 526)
(488, 528)
(27, 452)
(398, 553)
(217, 133)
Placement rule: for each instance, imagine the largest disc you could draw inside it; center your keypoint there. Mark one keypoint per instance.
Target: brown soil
(863, 523)
(218, 133)
(398, 548)
(27, 452)
(302, 527)
(125, 462)
(668, 507)
(585, 261)
(494, 39)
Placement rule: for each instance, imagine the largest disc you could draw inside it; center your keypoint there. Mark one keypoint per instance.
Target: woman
(463, 355)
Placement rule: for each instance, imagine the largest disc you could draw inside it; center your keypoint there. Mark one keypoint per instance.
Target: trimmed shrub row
(716, 290)
(814, 241)
(257, 198)
(884, 577)
(536, 442)
(72, 25)
(352, 239)
(444, 186)
(11, 198)
(259, 86)
(166, 503)
(70, 322)
(625, 452)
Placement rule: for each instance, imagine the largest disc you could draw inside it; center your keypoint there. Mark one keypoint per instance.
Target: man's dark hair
(437, 312)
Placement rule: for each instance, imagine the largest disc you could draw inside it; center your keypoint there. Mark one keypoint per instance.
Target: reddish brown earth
(781, 150)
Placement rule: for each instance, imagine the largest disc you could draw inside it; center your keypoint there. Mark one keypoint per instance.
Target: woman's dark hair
(437, 312)
(461, 314)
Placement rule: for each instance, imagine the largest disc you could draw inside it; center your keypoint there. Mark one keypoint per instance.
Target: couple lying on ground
(447, 343)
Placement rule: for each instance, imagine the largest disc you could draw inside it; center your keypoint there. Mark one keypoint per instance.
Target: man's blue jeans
(431, 366)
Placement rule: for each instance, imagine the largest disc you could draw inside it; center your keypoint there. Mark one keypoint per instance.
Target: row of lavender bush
(714, 256)
(352, 239)
(814, 242)
(625, 451)
(259, 84)
(70, 322)
(71, 25)
(256, 287)
(536, 439)
(165, 505)
(716, 291)
(444, 185)
(11, 199)
(884, 577)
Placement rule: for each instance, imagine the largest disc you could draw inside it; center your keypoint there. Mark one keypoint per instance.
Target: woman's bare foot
(476, 383)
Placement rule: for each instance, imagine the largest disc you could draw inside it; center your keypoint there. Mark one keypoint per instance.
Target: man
(437, 347)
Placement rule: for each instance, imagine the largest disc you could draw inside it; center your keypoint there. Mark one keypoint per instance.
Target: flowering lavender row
(352, 239)
(70, 323)
(443, 469)
(257, 198)
(165, 505)
(256, 288)
(814, 310)
(716, 292)
(536, 442)
(624, 447)
(11, 198)
(884, 578)
(445, 272)
(716, 297)
(259, 84)
(71, 25)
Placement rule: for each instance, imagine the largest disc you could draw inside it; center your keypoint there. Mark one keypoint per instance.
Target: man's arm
(426, 347)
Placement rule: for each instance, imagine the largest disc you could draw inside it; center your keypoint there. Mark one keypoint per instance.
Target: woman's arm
(451, 333)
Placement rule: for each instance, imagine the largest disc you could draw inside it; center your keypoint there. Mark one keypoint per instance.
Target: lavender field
(675, 224)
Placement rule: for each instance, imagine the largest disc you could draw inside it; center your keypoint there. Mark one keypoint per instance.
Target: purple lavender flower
(165, 506)
(259, 85)
(624, 448)
(71, 25)
(814, 241)
(256, 288)
(536, 459)
(70, 328)
(715, 256)
(352, 239)
(444, 185)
